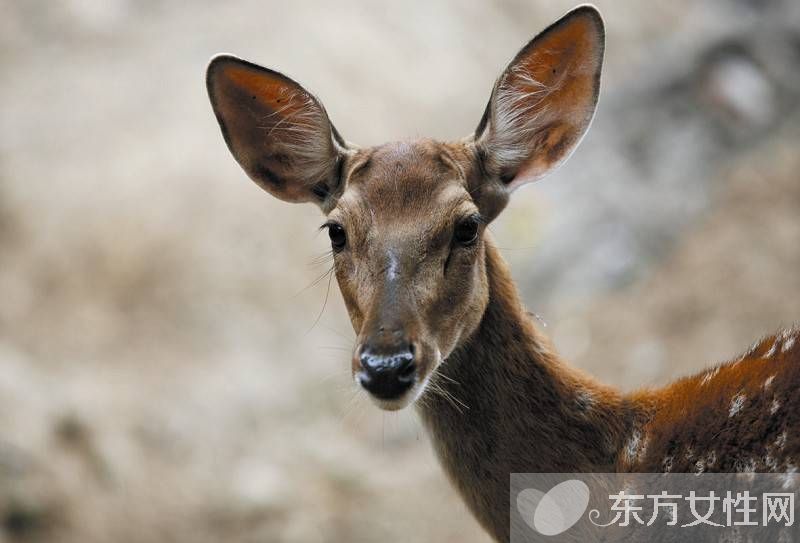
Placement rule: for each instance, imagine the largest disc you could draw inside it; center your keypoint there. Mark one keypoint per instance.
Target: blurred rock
(738, 91)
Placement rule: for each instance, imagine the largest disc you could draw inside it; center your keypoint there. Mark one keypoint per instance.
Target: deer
(436, 313)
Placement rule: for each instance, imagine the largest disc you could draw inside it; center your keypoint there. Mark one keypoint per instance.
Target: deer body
(438, 319)
(521, 409)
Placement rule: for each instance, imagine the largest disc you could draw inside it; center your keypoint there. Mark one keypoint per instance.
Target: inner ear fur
(544, 101)
(277, 131)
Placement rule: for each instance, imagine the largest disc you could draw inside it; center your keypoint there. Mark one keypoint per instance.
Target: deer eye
(466, 232)
(337, 235)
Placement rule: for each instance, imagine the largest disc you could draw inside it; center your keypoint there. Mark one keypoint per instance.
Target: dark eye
(338, 237)
(467, 231)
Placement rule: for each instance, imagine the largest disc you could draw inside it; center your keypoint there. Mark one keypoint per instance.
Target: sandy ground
(162, 377)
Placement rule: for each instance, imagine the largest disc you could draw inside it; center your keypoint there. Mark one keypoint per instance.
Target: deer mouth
(409, 397)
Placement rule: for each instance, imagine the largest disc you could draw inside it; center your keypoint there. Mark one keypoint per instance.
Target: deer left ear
(543, 103)
(277, 131)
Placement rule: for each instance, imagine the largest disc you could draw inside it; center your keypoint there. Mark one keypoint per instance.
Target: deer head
(407, 221)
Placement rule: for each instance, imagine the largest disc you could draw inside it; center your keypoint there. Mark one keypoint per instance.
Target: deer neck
(504, 403)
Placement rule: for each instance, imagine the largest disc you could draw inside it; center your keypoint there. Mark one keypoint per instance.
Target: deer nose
(387, 374)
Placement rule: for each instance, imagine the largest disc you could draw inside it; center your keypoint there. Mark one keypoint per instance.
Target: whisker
(324, 258)
(324, 303)
(450, 397)
(440, 374)
(457, 404)
(354, 402)
(315, 282)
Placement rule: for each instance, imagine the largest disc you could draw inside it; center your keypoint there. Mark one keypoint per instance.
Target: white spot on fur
(736, 404)
(705, 462)
(768, 382)
(788, 344)
(666, 464)
(772, 350)
(708, 376)
(585, 400)
(780, 442)
(774, 407)
(770, 462)
(751, 350)
(636, 446)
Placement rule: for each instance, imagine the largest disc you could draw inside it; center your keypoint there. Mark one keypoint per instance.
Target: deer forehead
(403, 189)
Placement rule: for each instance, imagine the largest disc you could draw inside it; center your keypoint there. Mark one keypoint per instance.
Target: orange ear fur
(543, 103)
(277, 131)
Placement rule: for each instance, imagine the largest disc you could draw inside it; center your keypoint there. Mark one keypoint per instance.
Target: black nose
(387, 375)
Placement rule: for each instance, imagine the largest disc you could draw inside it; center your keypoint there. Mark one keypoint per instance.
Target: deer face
(407, 239)
(407, 220)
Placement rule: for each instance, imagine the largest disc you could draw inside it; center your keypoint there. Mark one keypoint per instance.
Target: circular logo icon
(555, 511)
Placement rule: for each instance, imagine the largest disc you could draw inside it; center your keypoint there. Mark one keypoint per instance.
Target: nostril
(407, 373)
(407, 370)
(368, 363)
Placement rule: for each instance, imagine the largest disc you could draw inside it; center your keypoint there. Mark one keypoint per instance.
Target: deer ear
(277, 131)
(543, 103)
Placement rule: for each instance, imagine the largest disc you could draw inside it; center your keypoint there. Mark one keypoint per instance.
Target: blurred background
(169, 367)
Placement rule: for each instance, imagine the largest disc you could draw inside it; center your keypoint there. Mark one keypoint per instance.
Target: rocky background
(162, 378)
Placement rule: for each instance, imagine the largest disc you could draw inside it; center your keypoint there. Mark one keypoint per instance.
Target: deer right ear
(277, 131)
(543, 103)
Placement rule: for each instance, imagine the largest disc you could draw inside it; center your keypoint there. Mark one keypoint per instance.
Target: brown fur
(494, 396)
(740, 416)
